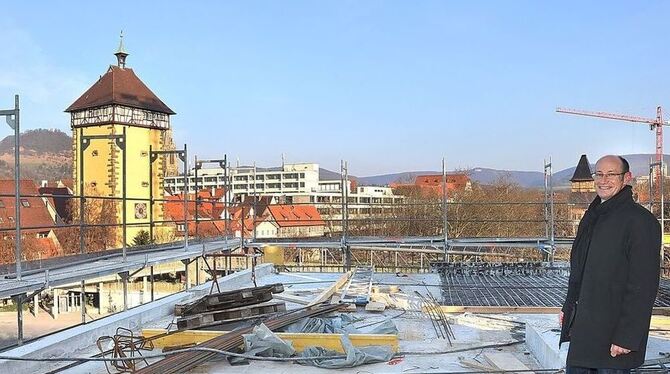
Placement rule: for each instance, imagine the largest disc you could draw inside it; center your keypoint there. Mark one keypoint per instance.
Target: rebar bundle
(183, 362)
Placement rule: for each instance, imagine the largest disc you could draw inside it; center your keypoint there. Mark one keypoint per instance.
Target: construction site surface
(458, 318)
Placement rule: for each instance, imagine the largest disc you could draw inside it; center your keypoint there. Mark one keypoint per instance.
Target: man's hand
(615, 350)
(560, 318)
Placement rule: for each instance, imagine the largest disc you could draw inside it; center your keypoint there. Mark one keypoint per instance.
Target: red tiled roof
(459, 181)
(296, 215)
(235, 226)
(430, 185)
(33, 210)
(120, 86)
(174, 207)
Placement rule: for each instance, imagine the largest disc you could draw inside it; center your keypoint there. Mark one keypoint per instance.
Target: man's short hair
(625, 164)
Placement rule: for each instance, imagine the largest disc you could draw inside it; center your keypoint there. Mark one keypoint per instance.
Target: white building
(292, 184)
(247, 180)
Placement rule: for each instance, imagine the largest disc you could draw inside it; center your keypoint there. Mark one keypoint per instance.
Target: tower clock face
(140, 210)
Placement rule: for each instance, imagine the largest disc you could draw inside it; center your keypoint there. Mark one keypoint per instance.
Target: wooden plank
(213, 305)
(229, 299)
(374, 306)
(505, 361)
(661, 311)
(328, 292)
(299, 340)
(471, 363)
(230, 315)
(292, 298)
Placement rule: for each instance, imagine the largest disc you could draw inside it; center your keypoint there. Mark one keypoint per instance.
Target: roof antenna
(121, 54)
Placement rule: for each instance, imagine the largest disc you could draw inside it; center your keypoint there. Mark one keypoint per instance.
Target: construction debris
(231, 306)
(328, 292)
(183, 362)
(374, 306)
(124, 344)
(505, 361)
(228, 300)
(300, 340)
(353, 356)
(437, 317)
(359, 287)
(220, 317)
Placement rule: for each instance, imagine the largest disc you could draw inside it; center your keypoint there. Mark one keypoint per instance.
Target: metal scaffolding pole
(345, 214)
(546, 200)
(652, 166)
(255, 205)
(124, 278)
(12, 118)
(186, 178)
(81, 184)
(226, 189)
(651, 185)
(124, 201)
(549, 199)
(82, 301)
(153, 156)
(198, 166)
(195, 195)
(151, 196)
(445, 227)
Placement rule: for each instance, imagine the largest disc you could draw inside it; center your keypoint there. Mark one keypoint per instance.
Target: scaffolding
(382, 234)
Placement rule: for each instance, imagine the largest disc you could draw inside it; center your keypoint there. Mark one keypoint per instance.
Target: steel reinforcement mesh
(512, 285)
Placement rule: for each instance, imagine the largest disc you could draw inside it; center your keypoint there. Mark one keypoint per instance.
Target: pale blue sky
(389, 86)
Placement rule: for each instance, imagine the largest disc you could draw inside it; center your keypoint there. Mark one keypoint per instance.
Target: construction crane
(654, 124)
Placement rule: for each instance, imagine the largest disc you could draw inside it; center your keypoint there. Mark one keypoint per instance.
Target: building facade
(120, 103)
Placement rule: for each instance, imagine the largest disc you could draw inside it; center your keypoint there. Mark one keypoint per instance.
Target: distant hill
(45, 154)
(327, 175)
(639, 165)
(39, 141)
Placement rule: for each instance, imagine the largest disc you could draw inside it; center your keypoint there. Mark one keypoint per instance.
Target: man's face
(608, 186)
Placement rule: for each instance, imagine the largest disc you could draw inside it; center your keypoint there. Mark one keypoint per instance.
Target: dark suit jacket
(616, 293)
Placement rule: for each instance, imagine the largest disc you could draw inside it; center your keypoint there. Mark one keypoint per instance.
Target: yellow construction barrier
(300, 340)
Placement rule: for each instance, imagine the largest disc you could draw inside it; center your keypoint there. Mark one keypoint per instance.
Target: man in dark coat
(614, 276)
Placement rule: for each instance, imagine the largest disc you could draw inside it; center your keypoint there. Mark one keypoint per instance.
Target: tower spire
(121, 54)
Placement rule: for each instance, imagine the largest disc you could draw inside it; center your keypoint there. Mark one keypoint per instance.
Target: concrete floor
(423, 351)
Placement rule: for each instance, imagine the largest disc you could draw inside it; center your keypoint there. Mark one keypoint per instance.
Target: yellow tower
(119, 102)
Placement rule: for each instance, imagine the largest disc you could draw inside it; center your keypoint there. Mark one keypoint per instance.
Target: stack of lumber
(231, 306)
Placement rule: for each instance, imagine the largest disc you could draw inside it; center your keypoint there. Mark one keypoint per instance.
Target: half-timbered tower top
(120, 97)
